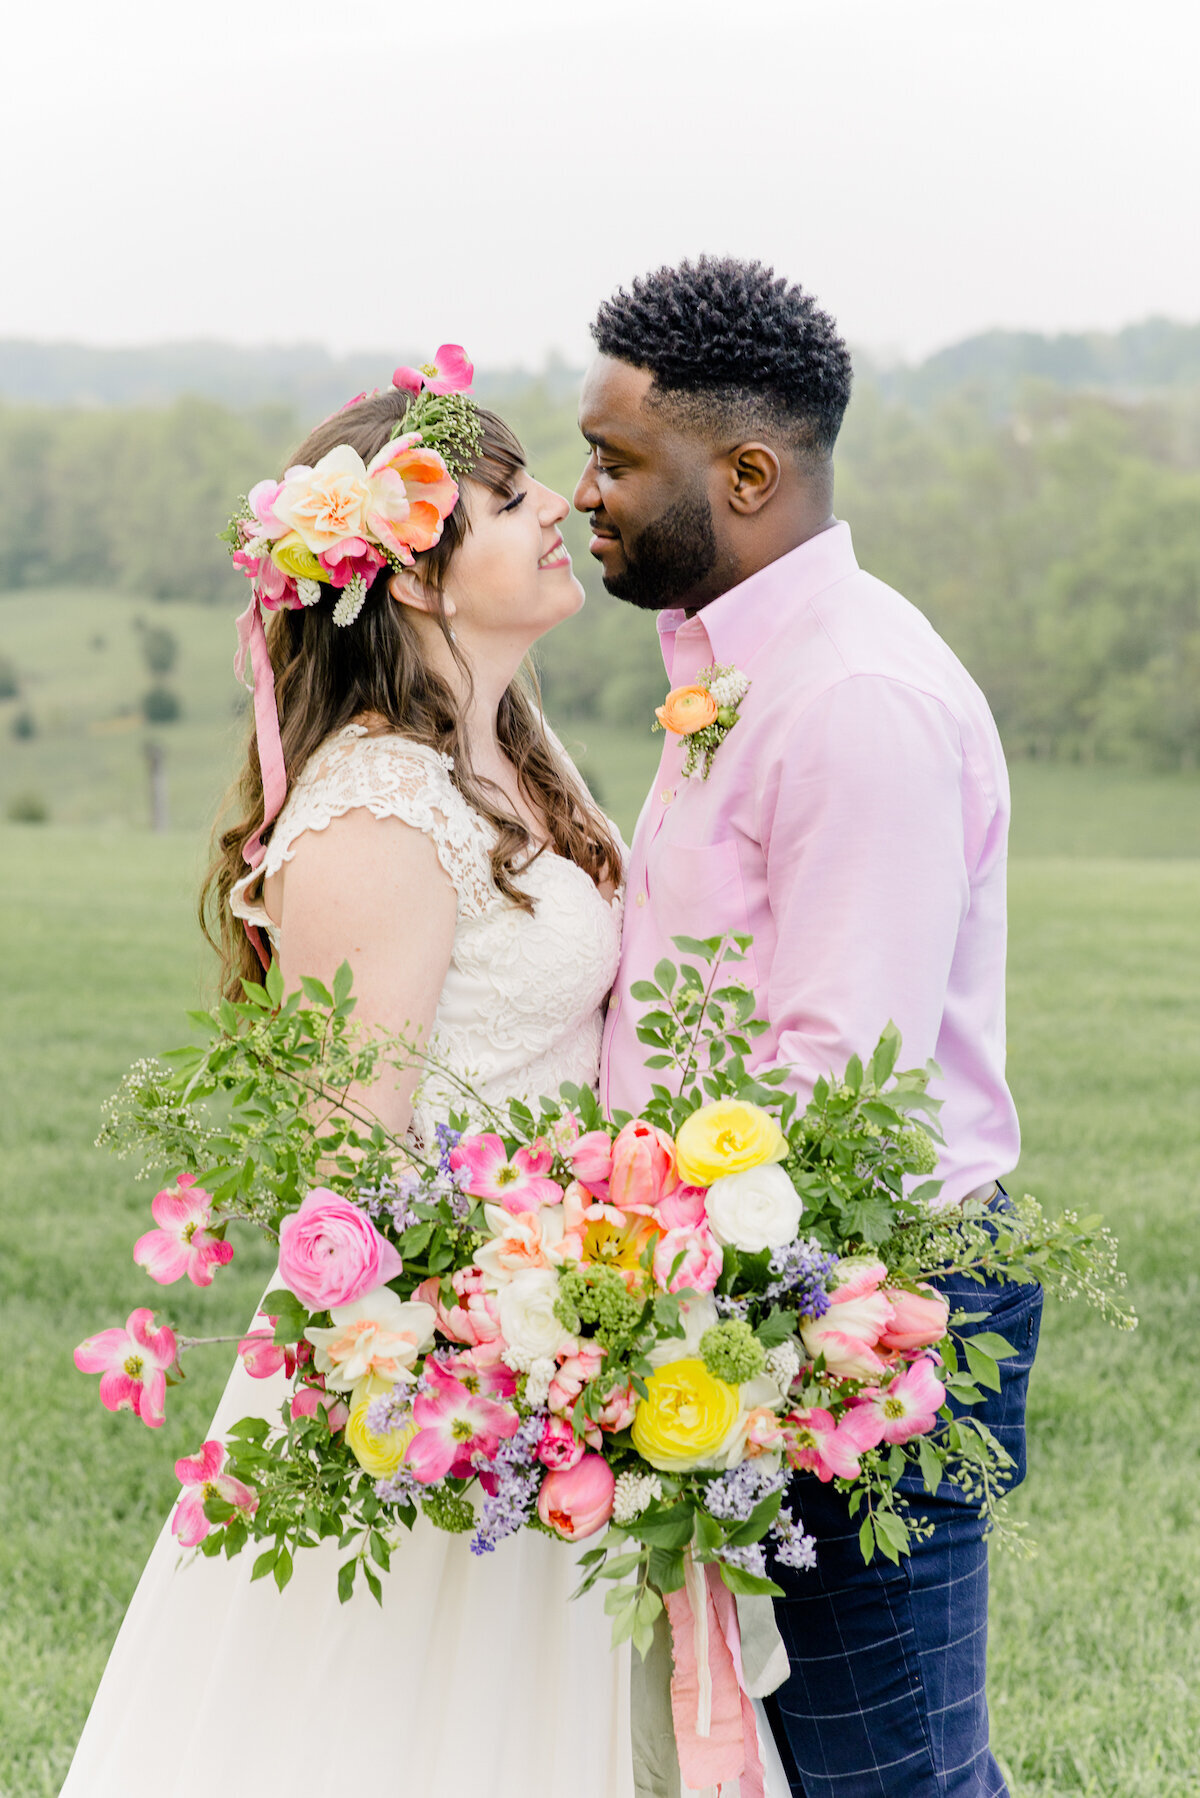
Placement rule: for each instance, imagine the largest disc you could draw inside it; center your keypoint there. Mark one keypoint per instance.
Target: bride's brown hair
(328, 675)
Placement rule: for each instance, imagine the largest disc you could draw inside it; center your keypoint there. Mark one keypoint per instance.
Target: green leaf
(316, 990)
(622, 1565)
(666, 1569)
(776, 1327)
(665, 975)
(346, 1573)
(668, 1529)
(738, 1580)
(290, 1313)
(645, 992)
(991, 1344)
(343, 980)
(283, 1568)
(264, 1564)
(866, 1540)
(983, 1368)
(931, 1464)
(693, 945)
(274, 983)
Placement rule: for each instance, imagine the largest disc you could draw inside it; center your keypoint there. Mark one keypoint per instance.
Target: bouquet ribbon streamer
(252, 642)
(693, 1694)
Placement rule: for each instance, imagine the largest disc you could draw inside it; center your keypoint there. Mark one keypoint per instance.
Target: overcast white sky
(391, 175)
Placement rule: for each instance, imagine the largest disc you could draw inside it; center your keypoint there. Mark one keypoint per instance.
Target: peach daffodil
(183, 1243)
(201, 1478)
(133, 1365)
(536, 1238)
(380, 1334)
(325, 503)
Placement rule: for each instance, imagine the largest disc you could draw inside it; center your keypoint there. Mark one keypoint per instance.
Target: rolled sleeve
(866, 873)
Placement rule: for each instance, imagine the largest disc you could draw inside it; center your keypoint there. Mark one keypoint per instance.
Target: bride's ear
(408, 589)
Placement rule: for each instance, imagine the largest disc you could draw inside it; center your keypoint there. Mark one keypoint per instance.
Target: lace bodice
(520, 1008)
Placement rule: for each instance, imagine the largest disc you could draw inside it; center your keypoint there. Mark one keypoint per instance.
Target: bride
(435, 835)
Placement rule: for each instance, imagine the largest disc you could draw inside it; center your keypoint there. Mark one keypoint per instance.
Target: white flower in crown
(632, 1493)
(350, 604)
(308, 592)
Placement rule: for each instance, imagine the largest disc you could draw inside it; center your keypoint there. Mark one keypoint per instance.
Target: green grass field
(1095, 1666)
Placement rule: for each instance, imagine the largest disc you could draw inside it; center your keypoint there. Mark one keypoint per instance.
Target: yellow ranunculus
(379, 1455)
(685, 1416)
(727, 1137)
(293, 556)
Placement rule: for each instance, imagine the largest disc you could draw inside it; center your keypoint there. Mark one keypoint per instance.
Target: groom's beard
(670, 558)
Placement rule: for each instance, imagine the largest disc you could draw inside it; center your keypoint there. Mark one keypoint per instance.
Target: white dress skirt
(478, 1674)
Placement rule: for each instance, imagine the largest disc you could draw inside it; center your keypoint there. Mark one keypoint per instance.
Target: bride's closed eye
(514, 502)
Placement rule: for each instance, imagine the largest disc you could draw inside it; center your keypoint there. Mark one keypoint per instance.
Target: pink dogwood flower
(454, 1426)
(449, 372)
(482, 1373)
(578, 1502)
(518, 1182)
(827, 1446)
(919, 1319)
(261, 1355)
(201, 1478)
(132, 1364)
(700, 1268)
(183, 1243)
(908, 1405)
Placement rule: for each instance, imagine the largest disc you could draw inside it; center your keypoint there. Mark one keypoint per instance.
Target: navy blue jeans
(886, 1697)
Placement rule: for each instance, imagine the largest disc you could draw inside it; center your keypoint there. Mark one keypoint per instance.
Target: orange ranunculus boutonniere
(704, 713)
(686, 709)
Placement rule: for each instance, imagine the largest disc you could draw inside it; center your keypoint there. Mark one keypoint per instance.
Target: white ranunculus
(527, 1320)
(696, 1315)
(754, 1210)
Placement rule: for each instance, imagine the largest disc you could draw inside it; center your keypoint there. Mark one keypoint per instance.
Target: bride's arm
(372, 892)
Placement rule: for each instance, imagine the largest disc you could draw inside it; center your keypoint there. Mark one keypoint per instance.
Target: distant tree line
(1055, 544)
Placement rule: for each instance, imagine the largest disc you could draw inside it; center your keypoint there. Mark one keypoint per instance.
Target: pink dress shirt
(855, 821)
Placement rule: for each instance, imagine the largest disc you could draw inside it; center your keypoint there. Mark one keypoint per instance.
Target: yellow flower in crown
(726, 1137)
(379, 1454)
(292, 555)
(685, 1416)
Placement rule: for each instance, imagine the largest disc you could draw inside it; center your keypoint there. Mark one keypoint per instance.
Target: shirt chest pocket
(698, 891)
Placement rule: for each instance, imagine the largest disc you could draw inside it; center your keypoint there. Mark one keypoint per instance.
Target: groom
(855, 821)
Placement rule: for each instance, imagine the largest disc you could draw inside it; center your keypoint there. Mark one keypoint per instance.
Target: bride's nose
(553, 507)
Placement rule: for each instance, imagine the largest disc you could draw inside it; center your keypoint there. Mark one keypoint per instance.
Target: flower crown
(337, 524)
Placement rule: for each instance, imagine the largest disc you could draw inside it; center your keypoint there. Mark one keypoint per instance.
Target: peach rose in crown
(686, 710)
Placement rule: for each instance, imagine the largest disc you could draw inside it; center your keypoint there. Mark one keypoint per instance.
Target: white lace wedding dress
(477, 1674)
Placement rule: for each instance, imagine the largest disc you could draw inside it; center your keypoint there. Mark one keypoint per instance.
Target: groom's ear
(408, 589)
(754, 474)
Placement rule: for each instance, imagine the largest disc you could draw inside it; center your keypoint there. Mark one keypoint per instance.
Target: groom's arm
(867, 876)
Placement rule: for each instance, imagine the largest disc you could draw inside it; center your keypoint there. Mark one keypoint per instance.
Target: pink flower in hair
(352, 556)
(261, 500)
(449, 372)
(201, 1477)
(411, 493)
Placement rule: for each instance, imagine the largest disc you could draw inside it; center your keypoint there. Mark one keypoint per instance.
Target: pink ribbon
(716, 1734)
(252, 640)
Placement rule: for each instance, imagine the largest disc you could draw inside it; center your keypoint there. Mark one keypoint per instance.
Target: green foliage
(732, 1351)
(160, 704)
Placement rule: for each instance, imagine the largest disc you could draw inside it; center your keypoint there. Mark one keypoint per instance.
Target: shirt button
(667, 794)
(612, 1001)
(641, 899)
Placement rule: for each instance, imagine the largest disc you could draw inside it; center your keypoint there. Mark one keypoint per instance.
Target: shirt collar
(740, 621)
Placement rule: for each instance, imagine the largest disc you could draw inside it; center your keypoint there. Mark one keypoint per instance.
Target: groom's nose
(586, 497)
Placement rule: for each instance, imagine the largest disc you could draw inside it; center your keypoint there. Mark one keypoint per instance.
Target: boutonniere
(704, 713)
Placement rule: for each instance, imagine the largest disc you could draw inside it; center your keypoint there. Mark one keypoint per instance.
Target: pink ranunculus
(573, 1375)
(591, 1161)
(643, 1167)
(578, 1502)
(454, 1426)
(700, 1268)
(683, 1208)
(827, 1446)
(849, 1333)
(330, 1253)
(132, 1364)
(261, 1355)
(352, 556)
(518, 1182)
(449, 372)
(475, 1319)
(908, 1405)
(559, 1447)
(201, 1477)
(919, 1319)
(182, 1244)
(309, 1399)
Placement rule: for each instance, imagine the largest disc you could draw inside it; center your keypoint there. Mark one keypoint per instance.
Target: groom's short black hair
(732, 345)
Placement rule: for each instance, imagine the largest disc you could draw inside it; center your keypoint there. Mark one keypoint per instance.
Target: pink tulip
(330, 1253)
(454, 1427)
(617, 1411)
(475, 1319)
(829, 1447)
(182, 1244)
(700, 1268)
(578, 1502)
(519, 1183)
(643, 1167)
(261, 1357)
(201, 1478)
(591, 1161)
(449, 372)
(850, 1330)
(308, 1400)
(559, 1448)
(574, 1374)
(682, 1209)
(132, 1364)
(908, 1405)
(919, 1319)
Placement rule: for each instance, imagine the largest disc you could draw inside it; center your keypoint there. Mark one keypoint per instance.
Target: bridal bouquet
(559, 1321)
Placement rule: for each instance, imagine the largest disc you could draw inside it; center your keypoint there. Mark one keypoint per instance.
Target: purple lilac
(751, 1559)
(802, 1270)
(400, 1488)
(390, 1411)
(791, 1546)
(734, 1495)
(518, 1477)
